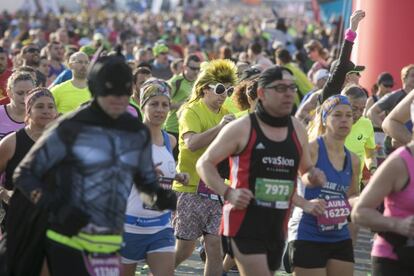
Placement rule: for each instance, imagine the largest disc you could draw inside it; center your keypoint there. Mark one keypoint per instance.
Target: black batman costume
(79, 174)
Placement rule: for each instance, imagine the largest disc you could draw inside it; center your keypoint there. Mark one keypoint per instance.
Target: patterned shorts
(195, 216)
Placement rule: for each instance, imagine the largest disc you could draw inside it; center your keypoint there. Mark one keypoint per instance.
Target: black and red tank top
(269, 169)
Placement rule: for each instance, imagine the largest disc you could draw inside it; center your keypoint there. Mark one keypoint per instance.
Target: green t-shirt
(197, 118)
(69, 97)
(178, 95)
(360, 138)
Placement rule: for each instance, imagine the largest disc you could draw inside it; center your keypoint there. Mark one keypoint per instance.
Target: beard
(80, 75)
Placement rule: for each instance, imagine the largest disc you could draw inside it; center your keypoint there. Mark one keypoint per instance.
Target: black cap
(385, 79)
(272, 74)
(350, 67)
(249, 73)
(110, 75)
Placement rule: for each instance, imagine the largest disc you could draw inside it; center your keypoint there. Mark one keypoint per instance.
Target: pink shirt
(7, 125)
(398, 204)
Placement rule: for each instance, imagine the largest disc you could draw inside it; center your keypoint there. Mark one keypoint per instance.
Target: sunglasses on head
(220, 89)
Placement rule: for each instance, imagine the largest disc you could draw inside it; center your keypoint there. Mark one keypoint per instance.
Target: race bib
(102, 264)
(336, 213)
(204, 191)
(273, 193)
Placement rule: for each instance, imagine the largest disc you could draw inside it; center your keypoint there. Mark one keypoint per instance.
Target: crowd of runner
(129, 139)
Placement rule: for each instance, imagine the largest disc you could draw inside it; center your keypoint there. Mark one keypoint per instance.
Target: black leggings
(388, 267)
(64, 261)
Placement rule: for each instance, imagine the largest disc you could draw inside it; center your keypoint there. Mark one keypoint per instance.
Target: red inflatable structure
(385, 39)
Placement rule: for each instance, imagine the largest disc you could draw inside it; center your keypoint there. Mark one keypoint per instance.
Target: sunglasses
(32, 50)
(196, 69)
(220, 89)
(388, 85)
(283, 88)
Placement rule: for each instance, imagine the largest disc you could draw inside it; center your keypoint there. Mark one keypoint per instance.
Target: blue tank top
(332, 226)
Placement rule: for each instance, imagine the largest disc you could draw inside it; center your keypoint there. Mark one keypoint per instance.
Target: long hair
(316, 127)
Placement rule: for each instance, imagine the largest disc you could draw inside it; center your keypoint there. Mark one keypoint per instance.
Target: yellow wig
(216, 71)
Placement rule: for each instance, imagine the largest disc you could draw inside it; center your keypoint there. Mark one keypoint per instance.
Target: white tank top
(150, 221)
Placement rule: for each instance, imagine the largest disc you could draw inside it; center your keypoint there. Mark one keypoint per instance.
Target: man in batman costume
(78, 177)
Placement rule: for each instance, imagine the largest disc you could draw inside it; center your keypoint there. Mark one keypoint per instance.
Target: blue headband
(331, 103)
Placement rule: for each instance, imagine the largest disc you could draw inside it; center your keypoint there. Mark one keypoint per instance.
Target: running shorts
(137, 246)
(310, 254)
(196, 216)
(273, 249)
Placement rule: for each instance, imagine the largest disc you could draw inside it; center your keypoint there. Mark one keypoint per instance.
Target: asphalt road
(194, 266)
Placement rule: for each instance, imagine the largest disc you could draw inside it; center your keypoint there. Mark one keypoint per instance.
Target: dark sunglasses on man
(283, 88)
(220, 89)
(195, 69)
(32, 50)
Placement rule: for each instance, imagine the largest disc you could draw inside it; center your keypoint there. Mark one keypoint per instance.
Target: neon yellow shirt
(360, 138)
(68, 97)
(197, 118)
(301, 80)
(230, 106)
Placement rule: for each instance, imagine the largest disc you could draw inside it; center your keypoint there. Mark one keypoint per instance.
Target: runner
(140, 75)
(40, 110)
(201, 119)
(267, 149)
(181, 87)
(86, 194)
(384, 106)
(69, 95)
(22, 257)
(361, 139)
(161, 65)
(319, 224)
(12, 115)
(318, 55)
(5, 73)
(395, 123)
(393, 251)
(245, 92)
(148, 233)
(384, 85)
(56, 53)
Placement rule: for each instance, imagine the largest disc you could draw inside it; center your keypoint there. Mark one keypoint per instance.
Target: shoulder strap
(177, 86)
(167, 140)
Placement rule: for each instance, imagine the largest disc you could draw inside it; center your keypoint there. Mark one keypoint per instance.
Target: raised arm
(336, 80)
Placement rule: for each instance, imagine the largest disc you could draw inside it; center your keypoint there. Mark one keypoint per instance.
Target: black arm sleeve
(335, 82)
